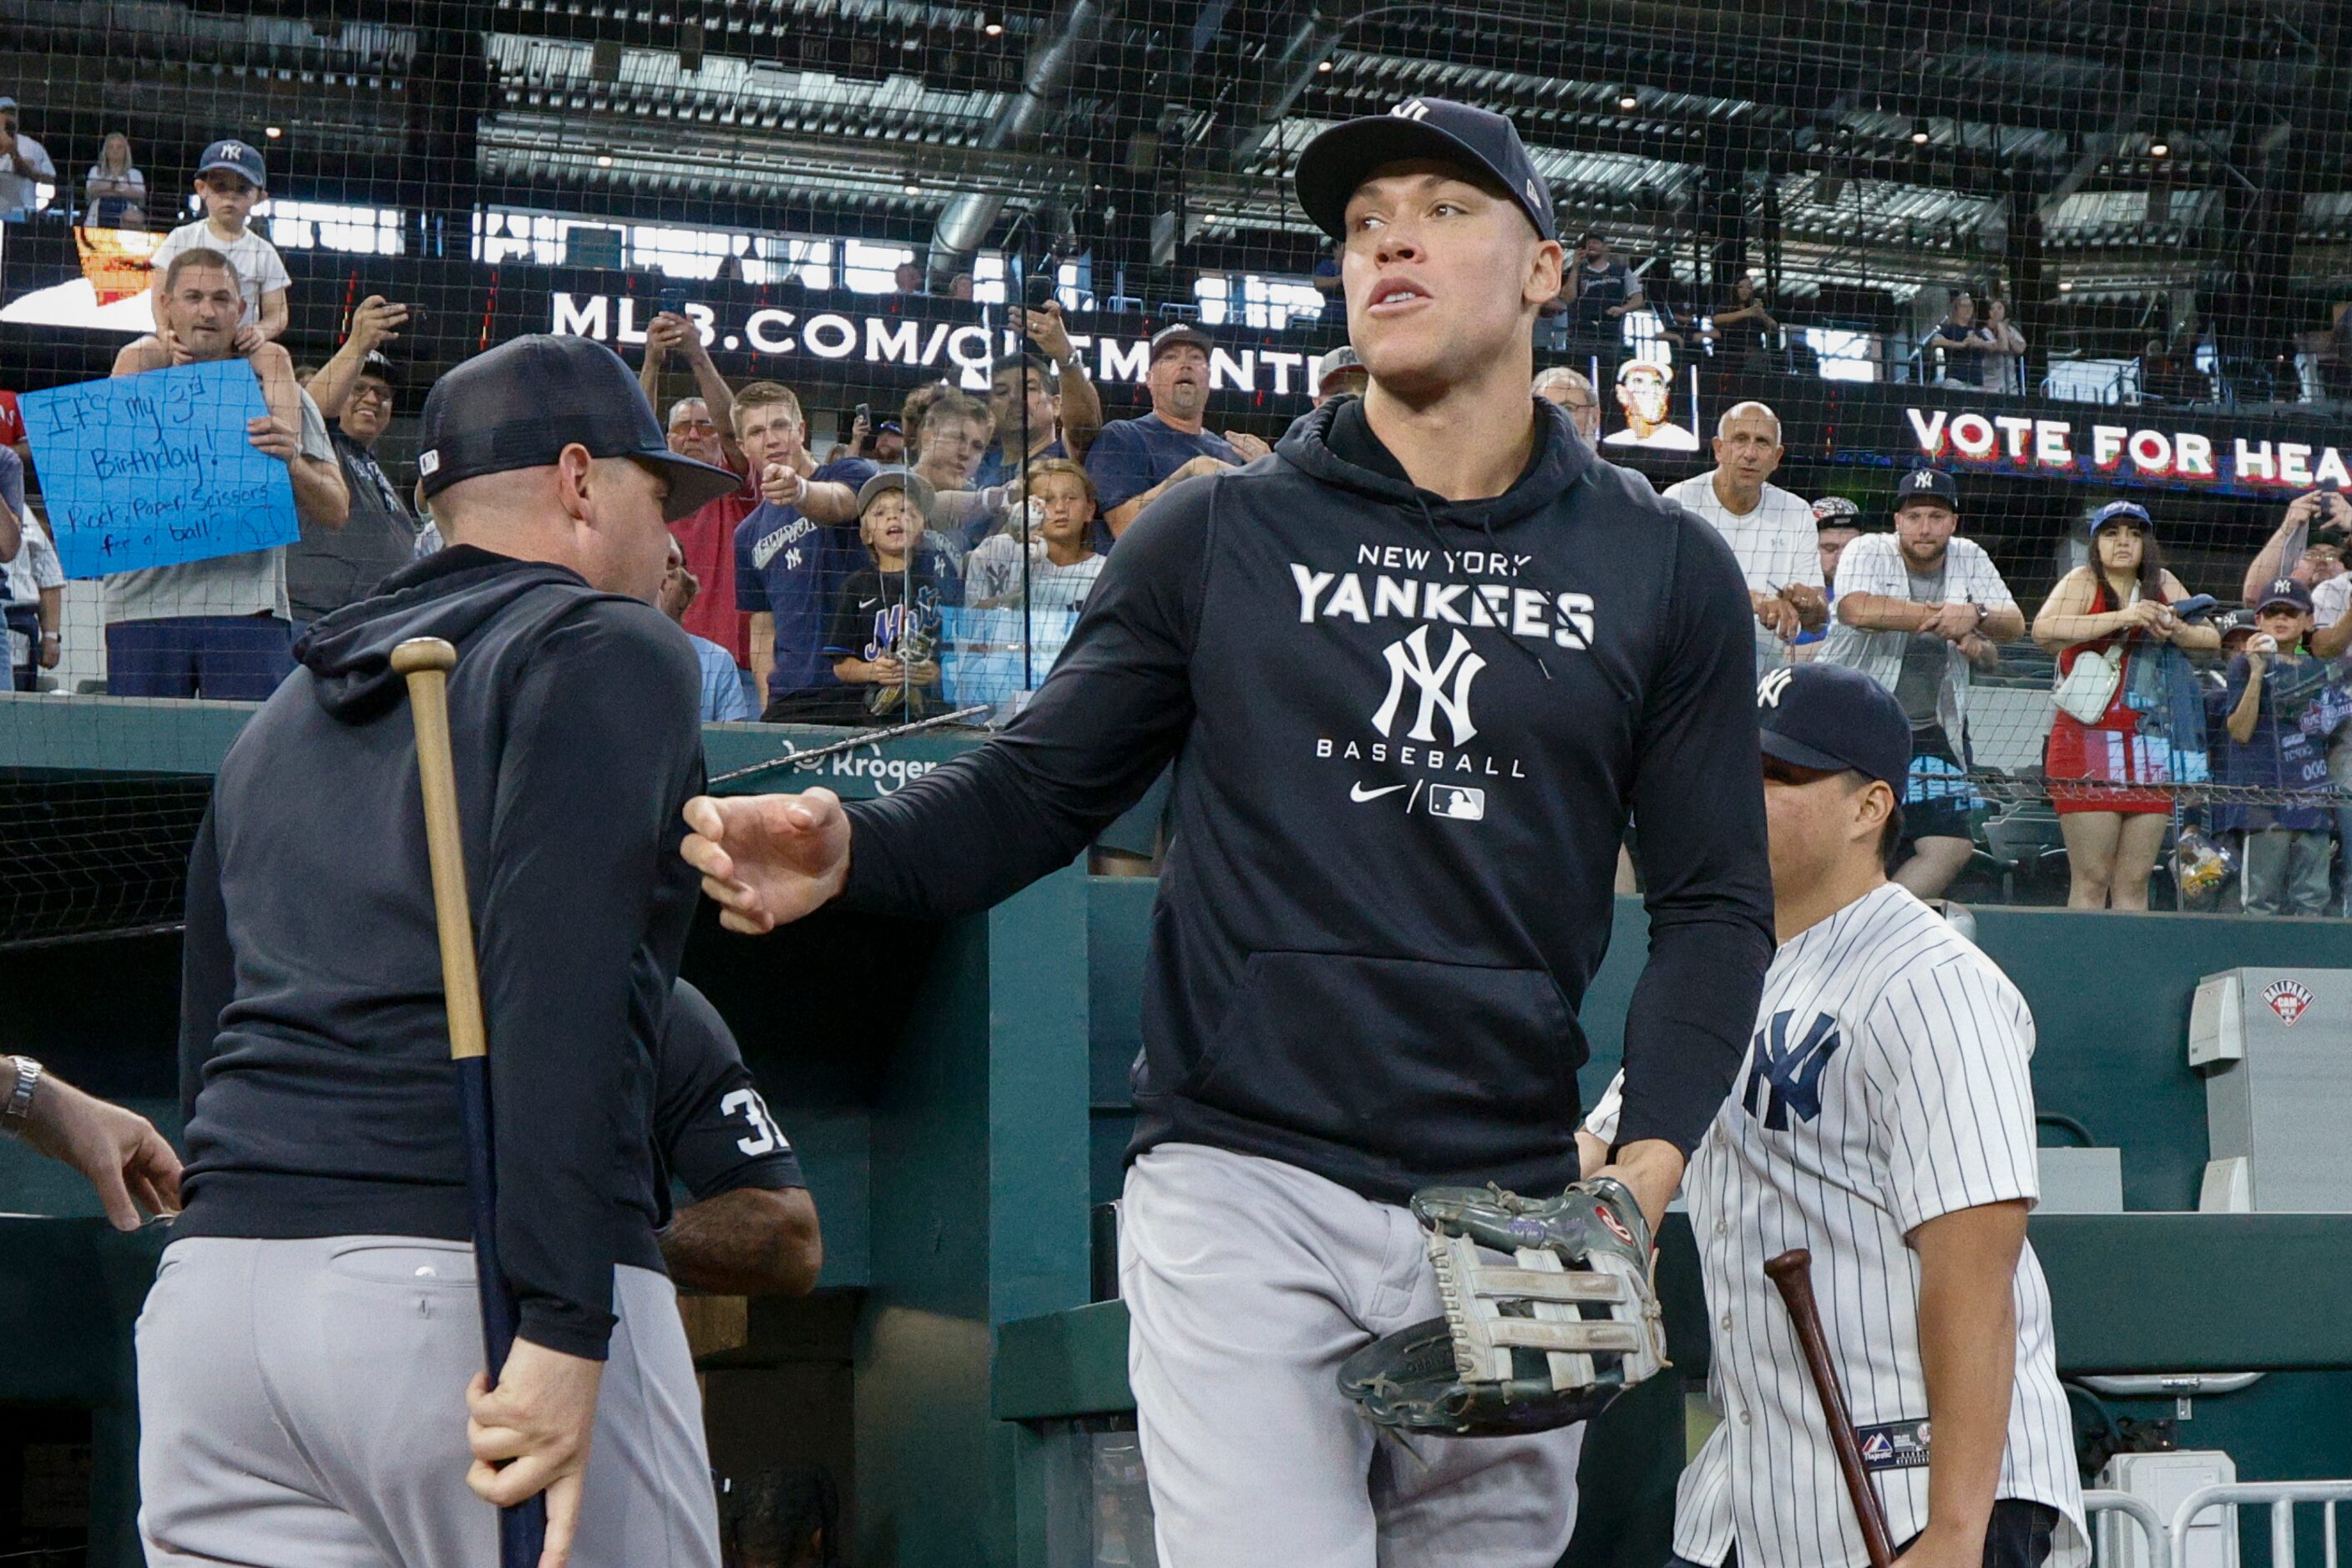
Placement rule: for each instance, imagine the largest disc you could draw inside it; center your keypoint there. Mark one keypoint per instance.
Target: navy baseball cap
(1927, 484)
(1176, 332)
(238, 158)
(2117, 511)
(519, 405)
(1343, 157)
(2283, 591)
(1831, 717)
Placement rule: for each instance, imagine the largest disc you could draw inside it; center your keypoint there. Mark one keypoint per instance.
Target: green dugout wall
(957, 1095)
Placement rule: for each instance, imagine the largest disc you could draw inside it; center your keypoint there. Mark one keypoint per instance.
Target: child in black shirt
(885, 635)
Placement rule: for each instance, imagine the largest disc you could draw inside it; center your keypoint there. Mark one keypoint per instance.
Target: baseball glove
(1546, 1342)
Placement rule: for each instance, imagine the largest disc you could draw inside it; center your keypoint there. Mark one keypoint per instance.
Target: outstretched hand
(768, 859)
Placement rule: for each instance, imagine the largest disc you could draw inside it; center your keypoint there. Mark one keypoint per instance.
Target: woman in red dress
(2120, 602)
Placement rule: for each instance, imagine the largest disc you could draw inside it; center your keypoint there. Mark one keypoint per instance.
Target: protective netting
(2065, 252)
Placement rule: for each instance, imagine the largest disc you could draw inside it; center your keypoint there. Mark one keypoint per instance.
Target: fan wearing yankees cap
(1883, 1119)
(1390, 878)
(304, 1357)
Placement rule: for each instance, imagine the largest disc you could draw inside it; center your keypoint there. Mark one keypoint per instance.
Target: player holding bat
(305, 1355)
(1884, 1120)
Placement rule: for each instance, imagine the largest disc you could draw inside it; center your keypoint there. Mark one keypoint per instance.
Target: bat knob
(1793, 1262)
(423, 653)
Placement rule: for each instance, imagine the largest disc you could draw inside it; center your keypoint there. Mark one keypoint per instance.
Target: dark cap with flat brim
(1336, 162)
(2283, 591)
(1833, 718)
(522, 404)
(1931, 486)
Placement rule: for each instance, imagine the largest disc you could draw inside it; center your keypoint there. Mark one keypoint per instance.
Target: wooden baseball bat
(425, 663)
(1792, 1274)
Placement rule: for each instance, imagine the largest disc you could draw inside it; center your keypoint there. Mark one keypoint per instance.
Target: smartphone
(866, 412)
(672, 299)
(1037, 290)
(416, 314)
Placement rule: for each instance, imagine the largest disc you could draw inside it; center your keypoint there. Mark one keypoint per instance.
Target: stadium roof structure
(2125, 149)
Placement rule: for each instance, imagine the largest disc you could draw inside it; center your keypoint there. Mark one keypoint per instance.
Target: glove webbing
(1484, 1339)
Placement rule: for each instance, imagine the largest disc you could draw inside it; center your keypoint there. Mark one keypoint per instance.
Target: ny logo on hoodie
(1408, 661)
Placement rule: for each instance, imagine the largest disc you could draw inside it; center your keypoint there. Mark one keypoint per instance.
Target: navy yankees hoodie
(314, 1049)
(1407, 733)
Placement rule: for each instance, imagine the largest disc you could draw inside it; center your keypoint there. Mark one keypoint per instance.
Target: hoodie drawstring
(1429, 520)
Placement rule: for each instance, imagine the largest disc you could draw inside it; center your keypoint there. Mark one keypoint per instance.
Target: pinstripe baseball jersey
(1886, 1084)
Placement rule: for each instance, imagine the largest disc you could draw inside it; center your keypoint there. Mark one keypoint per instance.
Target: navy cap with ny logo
(1833, 718)
(1343, 157)
(1927, 484)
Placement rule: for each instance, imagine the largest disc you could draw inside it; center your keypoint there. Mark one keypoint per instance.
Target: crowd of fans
(2170, 712)
(954, 536)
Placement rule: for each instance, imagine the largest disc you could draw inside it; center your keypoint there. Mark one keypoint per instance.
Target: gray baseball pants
(1247, 1282)
(302, 1405)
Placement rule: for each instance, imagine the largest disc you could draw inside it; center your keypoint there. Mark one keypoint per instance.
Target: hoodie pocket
(1444, 1067)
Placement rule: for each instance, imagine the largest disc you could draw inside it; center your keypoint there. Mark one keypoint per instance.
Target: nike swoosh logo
(1360, 794)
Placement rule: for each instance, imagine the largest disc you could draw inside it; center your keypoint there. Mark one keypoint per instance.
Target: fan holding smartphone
(1044, 403)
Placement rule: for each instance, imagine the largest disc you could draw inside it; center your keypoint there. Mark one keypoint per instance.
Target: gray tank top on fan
(1925, 658)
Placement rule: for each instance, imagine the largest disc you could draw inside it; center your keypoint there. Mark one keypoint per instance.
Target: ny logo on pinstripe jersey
(1785, 1077)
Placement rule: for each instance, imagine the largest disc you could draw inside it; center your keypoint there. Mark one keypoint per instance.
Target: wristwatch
(19, 1110)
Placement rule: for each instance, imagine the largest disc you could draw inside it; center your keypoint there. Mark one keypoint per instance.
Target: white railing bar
(2141, 1512)
(2280, 1495)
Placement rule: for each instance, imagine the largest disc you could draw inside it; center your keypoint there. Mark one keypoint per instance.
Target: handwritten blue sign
(157, 470)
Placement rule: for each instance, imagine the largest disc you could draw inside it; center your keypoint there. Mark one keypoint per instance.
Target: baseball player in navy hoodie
(1414, 669)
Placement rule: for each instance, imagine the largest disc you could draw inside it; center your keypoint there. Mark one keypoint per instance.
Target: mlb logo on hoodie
(1458, 802)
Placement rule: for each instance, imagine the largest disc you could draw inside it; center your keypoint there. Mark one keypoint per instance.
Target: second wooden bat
(1791, 1274)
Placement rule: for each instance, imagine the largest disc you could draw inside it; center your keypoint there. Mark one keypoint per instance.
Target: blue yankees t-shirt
(1130, 456)
(792, 569)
